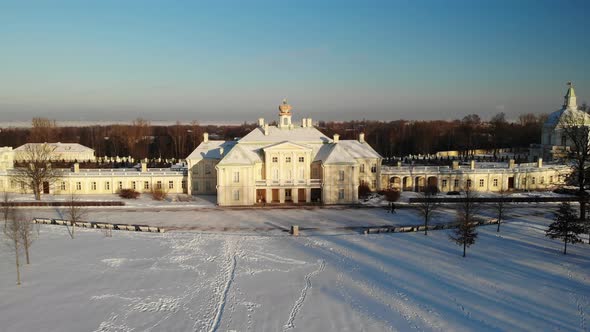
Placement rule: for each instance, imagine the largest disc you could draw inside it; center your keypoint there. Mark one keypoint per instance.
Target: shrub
(392, 195)
(364, 190)
(453, 193)
(128, 193)
(159, 194)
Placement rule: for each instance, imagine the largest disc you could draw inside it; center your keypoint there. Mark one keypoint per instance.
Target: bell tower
(284, 115)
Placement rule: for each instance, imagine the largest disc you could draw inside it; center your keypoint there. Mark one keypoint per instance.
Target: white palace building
(294, 163)
(286, 163)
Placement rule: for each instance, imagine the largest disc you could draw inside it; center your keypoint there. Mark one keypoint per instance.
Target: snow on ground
(517, 280)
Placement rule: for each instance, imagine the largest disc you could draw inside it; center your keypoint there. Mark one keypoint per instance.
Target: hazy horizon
(334, 60)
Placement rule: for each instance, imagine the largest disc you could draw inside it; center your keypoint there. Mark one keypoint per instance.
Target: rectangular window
(93, 185)
(533, 180)
(207, 169)
(170, 184)
(524, 181)
(444, 183)
(481, 182)
(196, 185)
(236, 195)
(374, 183)
(146, 185)
(183, 184)
(456, 183)
(107, 186)
(78, 185)
(495, 182)
(63, 186)
(469, 183)
(207, 185)
(301, 159)
(314, 173)
(159, 185)
(341, 194)
(120, 185)
(374, 168)
(542, 180)
(340, 175)
(236, 177)
(551, 179)
(288, 159)
(133, 185)
(362, 168)
(275, 159)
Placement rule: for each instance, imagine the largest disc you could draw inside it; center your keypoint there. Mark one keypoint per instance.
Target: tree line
(141, 139)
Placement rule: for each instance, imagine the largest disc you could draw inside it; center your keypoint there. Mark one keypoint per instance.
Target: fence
(497, 199)
(76, 203)
(416, 228)
(99, 225)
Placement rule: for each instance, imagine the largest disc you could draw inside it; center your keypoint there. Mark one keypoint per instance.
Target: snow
(516, 280)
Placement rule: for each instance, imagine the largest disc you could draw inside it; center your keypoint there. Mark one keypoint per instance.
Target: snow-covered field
(517, 280)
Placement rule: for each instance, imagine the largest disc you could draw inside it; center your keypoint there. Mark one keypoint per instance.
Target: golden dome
(285, 108)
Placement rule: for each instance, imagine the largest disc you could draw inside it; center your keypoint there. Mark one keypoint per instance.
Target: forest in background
(399, 138)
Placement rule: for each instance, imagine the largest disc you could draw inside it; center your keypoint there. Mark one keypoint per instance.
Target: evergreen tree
(566, 227)
(465, 234)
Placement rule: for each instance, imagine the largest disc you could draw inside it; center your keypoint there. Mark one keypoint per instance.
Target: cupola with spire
(285, 115)
(570, 98)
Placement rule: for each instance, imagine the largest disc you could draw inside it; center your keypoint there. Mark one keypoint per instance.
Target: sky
(235, 61)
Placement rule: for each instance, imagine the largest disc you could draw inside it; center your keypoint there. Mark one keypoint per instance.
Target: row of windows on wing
(134, 185)
(287, 159)
(495, 182)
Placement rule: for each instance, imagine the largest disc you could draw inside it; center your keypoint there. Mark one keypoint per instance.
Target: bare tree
(42, 130)
(6, 206)
(467, 210)
(37, 171)
(427, 206)
(74, 212)
(13, 234)
(178, 135)
(575, 127)
(26, 234)
(501, 207)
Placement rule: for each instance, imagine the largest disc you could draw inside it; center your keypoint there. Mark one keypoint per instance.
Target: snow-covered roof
(59, 147)
(211, 150)
(567, 117)
(240, 155)
(295, 134)
(250, 149)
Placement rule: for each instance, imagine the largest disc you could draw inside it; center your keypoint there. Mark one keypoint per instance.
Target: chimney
(336, 138)
(304, 122)
(261, 122)
(511, 163)
(265, 129)
(540, 162)
(205, 137)
(144, 167)
(76, 168)
(362, 137)
(221, 151)
(309, 122)
(472, 164)
(399, 164)
(455, 164)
